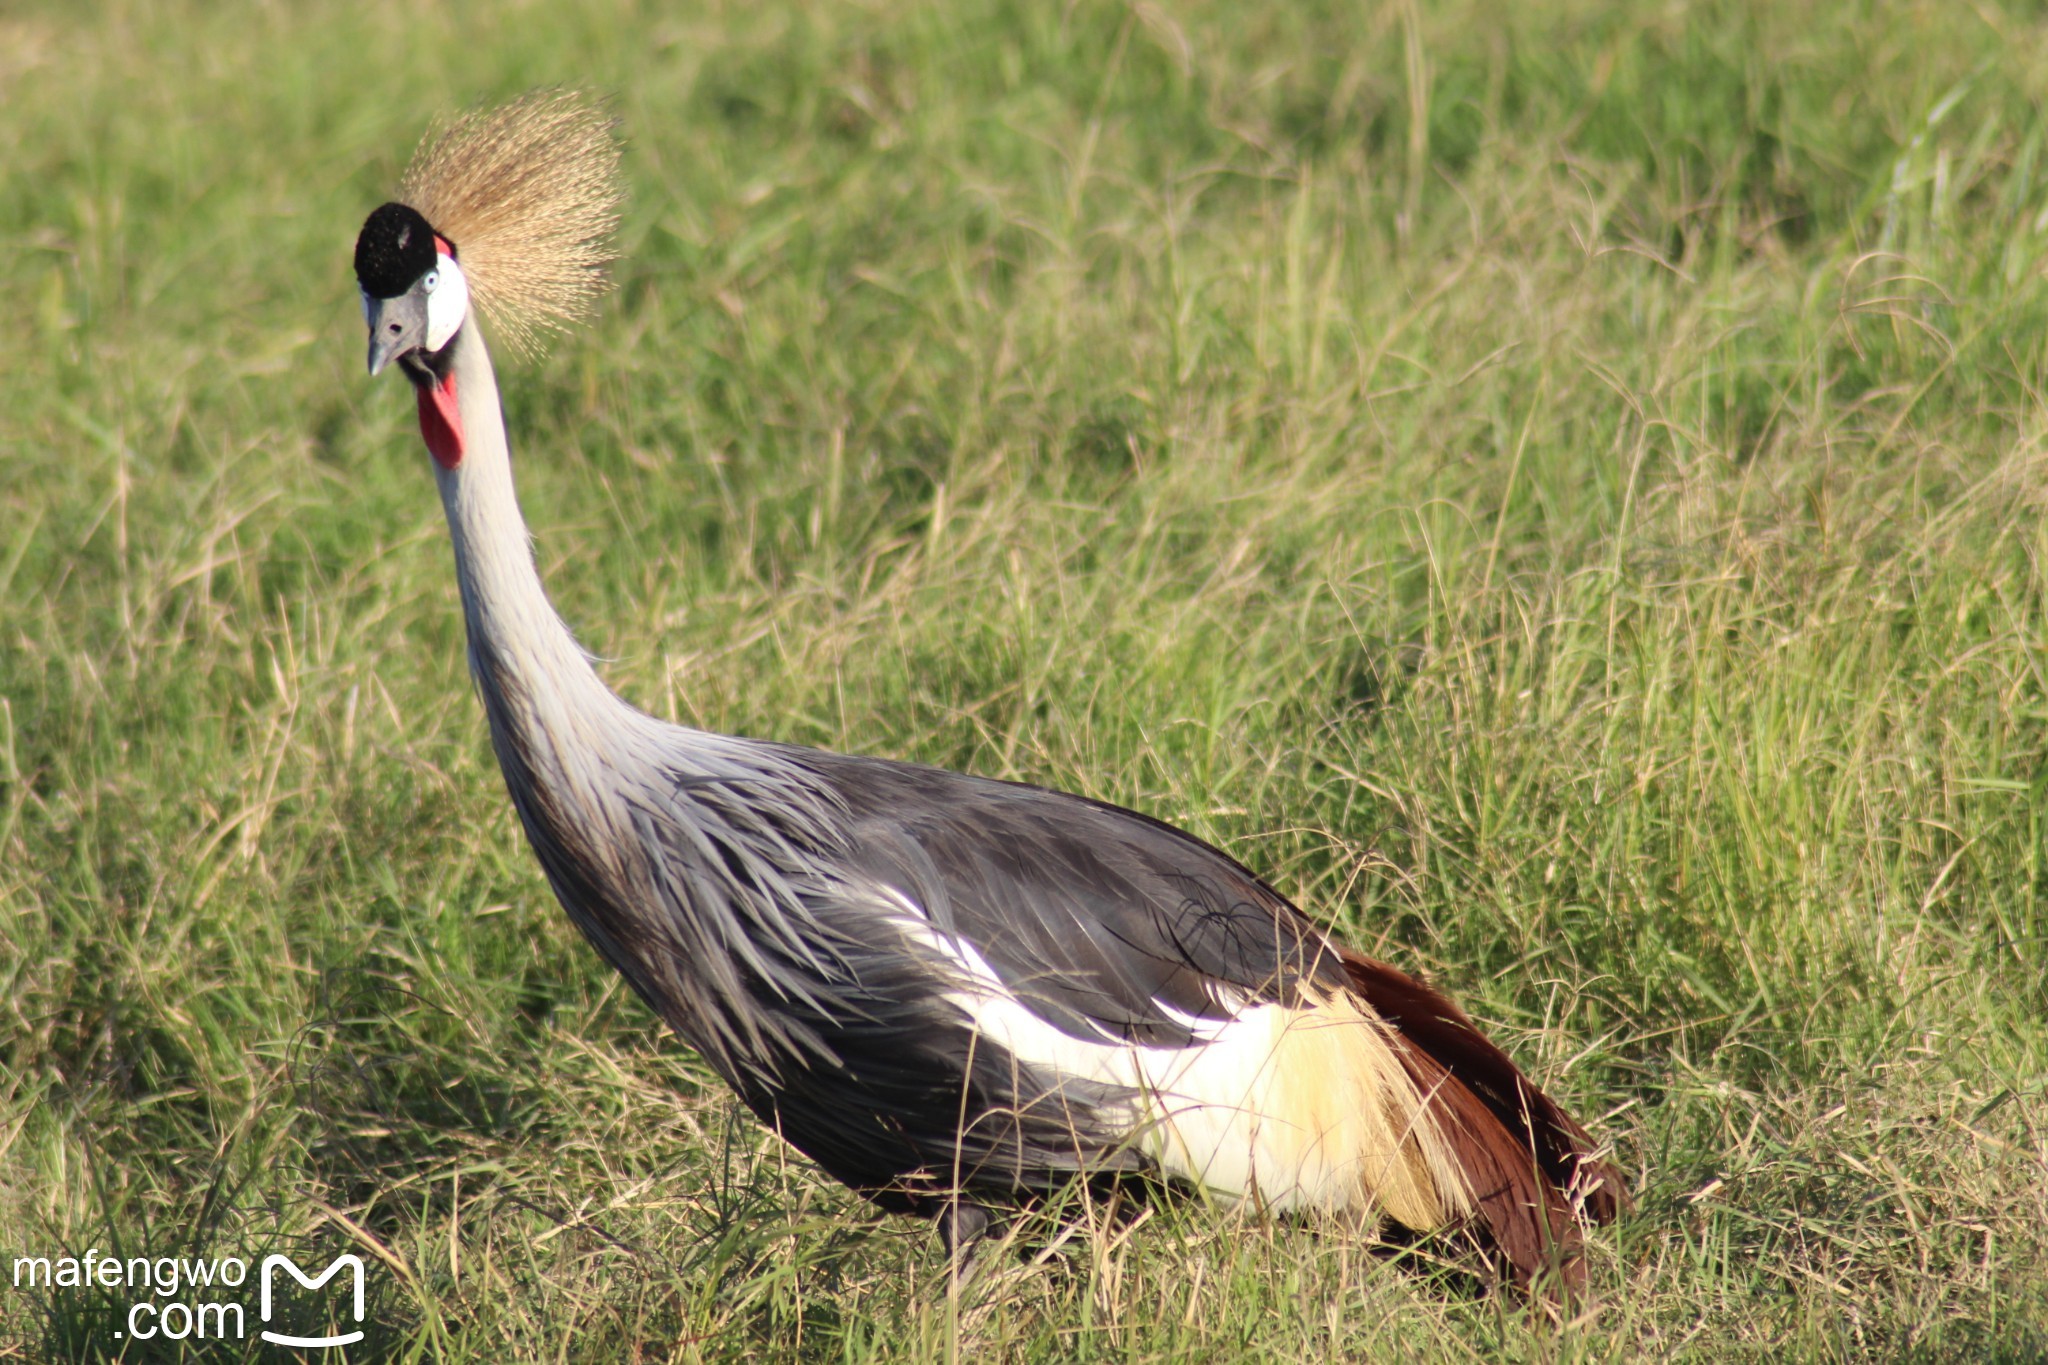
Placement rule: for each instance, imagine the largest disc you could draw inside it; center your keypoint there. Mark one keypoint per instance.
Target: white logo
(271, 1263)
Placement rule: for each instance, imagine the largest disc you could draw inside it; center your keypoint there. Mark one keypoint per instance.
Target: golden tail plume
(1531, 1171)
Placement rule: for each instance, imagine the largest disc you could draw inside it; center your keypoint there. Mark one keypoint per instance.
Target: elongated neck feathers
(536, 680)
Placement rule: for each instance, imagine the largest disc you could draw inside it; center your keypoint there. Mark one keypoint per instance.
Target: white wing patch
(1289, 1107)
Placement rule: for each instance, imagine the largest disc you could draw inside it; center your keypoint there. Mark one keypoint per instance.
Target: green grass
(1559, 486)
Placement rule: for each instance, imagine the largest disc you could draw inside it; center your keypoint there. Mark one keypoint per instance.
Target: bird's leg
(962, 1226)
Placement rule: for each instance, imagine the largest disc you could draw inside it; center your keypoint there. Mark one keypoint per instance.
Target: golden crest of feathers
(529, 194)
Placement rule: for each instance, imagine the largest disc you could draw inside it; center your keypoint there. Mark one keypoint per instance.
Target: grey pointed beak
(396, 326)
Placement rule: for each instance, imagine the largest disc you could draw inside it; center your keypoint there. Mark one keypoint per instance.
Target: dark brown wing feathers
(1524, 1157)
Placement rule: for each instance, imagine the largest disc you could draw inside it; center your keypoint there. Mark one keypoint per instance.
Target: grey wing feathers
(779, 908)
(1110, 925)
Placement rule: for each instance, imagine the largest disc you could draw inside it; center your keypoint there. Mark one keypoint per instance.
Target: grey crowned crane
(951, 992)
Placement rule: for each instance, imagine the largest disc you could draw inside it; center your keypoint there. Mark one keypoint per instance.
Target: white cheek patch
(447, 302)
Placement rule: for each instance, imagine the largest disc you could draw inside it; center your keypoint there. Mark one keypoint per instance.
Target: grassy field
(1558, 486)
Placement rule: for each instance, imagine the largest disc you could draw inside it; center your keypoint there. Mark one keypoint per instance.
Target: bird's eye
(432, 278)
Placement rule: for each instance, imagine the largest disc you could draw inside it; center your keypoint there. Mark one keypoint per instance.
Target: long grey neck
(540, 691)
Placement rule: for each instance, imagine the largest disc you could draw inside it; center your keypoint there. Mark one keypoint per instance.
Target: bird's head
(530, 190)
(415, 296)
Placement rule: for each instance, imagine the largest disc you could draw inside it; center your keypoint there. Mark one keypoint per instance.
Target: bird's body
(945, 988)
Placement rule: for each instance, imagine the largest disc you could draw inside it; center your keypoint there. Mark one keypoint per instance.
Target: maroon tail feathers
(1528, 1163)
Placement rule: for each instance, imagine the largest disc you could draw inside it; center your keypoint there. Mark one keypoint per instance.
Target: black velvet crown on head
(395, 248)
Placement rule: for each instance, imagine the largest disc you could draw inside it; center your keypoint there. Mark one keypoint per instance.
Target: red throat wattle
(441, 422)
